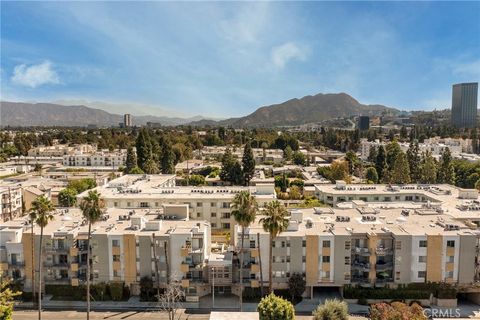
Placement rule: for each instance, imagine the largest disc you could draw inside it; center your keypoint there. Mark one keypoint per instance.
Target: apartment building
(361, 246)
(103, 158)
(154, 191)
(125, 247)
(11, 202)
(60, 150)
(260, 155)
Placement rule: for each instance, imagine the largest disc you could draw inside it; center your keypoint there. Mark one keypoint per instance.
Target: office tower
(363, 123)
(127, 120)
(464, 105)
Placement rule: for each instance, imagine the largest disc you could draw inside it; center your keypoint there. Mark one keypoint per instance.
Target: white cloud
(467, 68)
(35, 75)
(281, 55)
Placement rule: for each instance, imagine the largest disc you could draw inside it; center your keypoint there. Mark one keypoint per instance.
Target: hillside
(48, 114)
(308, 109)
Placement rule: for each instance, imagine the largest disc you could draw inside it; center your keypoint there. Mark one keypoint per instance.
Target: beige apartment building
(153, 191)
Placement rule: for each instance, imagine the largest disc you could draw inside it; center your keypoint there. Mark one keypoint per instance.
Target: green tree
(150, 167)
(393, 150)
(236, 174)
(228, 161)
(288, 153)
(167, 158)
(299, 158)
(92, 207)
(272, 307)
(446, 171)
(67, 197)
(244, 211)
(196, 180)
(41, 212)
(281, 182)
(414, 159)
(380, 162)
(372, 155)
(296, 285)
(274, 222)
(400, 172)
(331, 310)
(131, 161)
(248, 162)
(429, 168)
(7, 296)
(144, 148)
(371, 175)
(352, 161)
(294, 193)
(136, 170)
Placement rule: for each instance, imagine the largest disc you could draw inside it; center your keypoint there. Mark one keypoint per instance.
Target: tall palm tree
(33, 217)
(42, 207)
(245, 208)
(92, 208)
(274, 222)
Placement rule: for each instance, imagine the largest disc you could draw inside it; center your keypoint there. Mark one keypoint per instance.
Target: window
(115, 243)
(304, 243)
(397, 275)
(213, 214)
(422, 259)
(326, 244)
(199, 204)
(213, 204)
(398, 245)
(450, 259)
(347, 261)
(128, 204)
(282, 244)
(326, 259)
(252, 244)
(116, 257)
(288, 258)
(226, 215)
(144, 205)
(422, 243)
(346, 276)
(347, 245)
(449, 275)
(451, 244)
(422, 274)
(304, 259)
(225, 225)
(213, 225)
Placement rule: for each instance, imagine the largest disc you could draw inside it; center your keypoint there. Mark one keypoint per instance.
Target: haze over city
(227, 59)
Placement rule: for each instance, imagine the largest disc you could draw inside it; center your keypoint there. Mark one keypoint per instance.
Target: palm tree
(42, 208)
(274, 222)
(92, 208)
(33, 217)
(244, 211)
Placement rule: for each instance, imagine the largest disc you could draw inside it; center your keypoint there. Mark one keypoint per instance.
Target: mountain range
(309, 109)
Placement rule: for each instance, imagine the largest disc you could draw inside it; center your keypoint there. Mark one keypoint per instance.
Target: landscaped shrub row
(99, 292)
(410, 291)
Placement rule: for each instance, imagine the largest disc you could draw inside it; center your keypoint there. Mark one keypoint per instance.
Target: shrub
(272, 307)
(296, 285)
(116, 291)
(331, 310)
(396, 310)
(362, 301)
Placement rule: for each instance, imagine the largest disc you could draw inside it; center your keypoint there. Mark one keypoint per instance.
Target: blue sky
(228, 58)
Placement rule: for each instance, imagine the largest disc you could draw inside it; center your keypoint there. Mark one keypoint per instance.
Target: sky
(222, 59)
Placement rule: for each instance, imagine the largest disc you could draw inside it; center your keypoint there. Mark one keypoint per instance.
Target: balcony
(73, 251)
(361, 266)
(17, 264)
(254, 253)
(363, 251)
(254, 283)
(74, 267)
(384, 266)
(185, 283)
(74, 282)
(380, 251)
(357, 279)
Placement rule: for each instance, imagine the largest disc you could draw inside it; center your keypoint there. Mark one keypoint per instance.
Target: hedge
(416, 291)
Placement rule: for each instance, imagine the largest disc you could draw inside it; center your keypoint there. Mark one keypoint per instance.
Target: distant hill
(49, 114)
(308, 109)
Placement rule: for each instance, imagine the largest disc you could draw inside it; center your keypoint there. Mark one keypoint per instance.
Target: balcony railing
(361, 266)
(361, 251)
(383, 251)
(384, 266)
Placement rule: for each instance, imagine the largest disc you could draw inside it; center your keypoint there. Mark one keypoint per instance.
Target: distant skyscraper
(127, 120)
(363, 123)
(464, 105)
